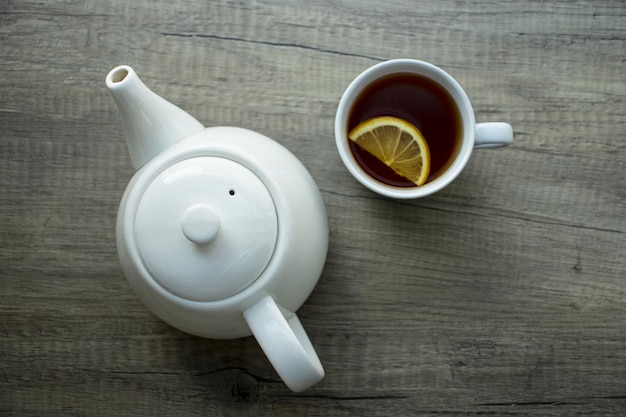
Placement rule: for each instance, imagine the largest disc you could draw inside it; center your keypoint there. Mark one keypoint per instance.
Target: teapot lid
(206, 228)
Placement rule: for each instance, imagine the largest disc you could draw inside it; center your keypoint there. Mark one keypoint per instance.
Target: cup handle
(285, 344)
(493, 135)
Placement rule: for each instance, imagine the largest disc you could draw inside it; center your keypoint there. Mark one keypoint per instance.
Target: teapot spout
(152, 124)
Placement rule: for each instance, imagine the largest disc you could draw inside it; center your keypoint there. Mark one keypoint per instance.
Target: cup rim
(404, 66)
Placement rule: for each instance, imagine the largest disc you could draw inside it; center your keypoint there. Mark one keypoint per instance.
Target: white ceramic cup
(475, 135)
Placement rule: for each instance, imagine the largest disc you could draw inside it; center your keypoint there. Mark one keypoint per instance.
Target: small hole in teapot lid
(231, 192)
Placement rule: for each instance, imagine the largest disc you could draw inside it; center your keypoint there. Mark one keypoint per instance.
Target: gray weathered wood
(505, 294)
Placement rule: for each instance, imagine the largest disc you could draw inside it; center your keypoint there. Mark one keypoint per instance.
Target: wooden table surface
(504, 294)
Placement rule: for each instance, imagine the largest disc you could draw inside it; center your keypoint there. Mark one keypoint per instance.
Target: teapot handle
(285, 343)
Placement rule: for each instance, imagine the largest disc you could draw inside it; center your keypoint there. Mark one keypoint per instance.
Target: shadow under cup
(421, 94)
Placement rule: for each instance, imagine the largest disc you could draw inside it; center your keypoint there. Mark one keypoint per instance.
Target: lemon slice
(396, 143)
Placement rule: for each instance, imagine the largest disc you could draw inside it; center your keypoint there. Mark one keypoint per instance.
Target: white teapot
(221, 232)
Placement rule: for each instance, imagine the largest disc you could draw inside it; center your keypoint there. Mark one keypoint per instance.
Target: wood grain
(504, 294)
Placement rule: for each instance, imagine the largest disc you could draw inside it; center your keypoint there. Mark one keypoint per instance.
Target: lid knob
(200, 224)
